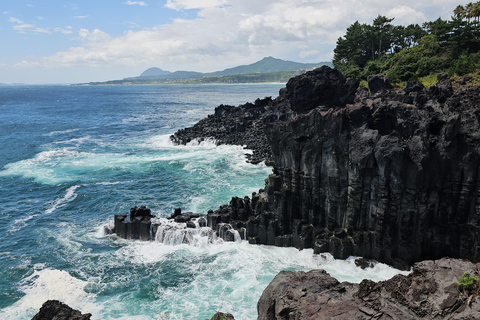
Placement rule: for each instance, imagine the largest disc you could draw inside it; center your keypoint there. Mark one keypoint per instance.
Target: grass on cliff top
(470, 79)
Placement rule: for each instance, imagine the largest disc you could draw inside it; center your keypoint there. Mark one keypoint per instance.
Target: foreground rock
(429, 292)
(392, 176)
(56, 310)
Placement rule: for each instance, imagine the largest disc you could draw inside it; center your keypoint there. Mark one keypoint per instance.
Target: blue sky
(53, 41)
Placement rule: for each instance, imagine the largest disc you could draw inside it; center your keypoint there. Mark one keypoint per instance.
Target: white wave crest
(53, 133)
(49, 284)
(69, 196)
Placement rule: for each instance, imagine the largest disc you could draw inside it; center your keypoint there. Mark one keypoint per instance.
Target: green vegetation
(413, 52)
(469, 284)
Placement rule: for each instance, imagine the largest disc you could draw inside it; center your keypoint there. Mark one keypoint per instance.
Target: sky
(76, 41)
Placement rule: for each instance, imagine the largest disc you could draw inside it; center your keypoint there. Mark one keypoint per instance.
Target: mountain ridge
(266, 65)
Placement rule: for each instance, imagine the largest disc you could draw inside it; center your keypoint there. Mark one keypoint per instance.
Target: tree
(459, 12)
(353, 47)
(382, 32)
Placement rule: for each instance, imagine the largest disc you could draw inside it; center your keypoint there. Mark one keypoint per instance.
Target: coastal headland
(384, 173)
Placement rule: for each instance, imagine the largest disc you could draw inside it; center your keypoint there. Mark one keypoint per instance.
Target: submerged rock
(429, 292)
(56, 310)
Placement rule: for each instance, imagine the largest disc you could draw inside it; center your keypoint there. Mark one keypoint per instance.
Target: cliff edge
(385, 174)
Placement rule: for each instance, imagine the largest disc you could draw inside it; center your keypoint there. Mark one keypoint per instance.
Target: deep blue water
(73, 156)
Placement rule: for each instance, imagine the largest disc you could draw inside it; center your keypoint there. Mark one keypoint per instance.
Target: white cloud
(226, 33)
(30, 28)
(80, 17)
(140, 3)
(94, 36)
(27, 64)
(193, 4)
(66, 30)
(23, 28)
(15, 20)
(405, 15)
(305, 54)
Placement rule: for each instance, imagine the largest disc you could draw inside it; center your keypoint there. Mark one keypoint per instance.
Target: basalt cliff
(381, 173)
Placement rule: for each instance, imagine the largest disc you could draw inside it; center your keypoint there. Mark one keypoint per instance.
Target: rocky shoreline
(385, 174)
(382, 173)
(428, 292)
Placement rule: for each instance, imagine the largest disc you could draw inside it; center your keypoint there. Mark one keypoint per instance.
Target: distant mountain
(268, 69)
(154, 72)
(266, 65)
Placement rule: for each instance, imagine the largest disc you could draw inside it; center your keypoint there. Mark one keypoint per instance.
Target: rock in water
(55, 310)
(223, 316)
(429, 292)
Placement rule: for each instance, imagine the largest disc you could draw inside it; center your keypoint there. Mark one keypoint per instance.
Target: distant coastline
(272, 77)
(267, 70)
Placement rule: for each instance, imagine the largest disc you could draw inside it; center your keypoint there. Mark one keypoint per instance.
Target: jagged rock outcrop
(391, 176)
(56, 310)
(134, 225)
(244, 125)
(429, 292)
(222, 316)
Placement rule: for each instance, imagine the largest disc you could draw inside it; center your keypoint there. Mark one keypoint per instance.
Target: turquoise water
(73, 156)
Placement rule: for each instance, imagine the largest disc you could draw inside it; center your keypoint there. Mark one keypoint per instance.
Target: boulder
(430, 291)
(56, 310)
(378, 83)
(222, 316)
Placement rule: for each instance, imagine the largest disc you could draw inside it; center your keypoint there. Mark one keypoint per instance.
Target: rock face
(429, 292)
(55, 310)
(244, 125)
(134, 225)
(391, 176)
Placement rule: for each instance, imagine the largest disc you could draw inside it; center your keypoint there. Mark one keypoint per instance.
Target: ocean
(73, 156)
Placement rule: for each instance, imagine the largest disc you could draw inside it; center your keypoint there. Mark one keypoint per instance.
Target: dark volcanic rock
(244, 125)
(393, 177)
(378, 82)
(55, 310)
(134, 225)
(324, 87)
(223, 316)
(429, 292)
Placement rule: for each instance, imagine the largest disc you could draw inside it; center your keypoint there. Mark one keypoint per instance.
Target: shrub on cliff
(469, 284)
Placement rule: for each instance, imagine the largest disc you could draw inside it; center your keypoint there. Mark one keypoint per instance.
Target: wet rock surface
(56, 310)
(391, 176)
(429, 292)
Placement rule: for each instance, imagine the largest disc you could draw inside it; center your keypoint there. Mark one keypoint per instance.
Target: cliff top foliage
(413, 52)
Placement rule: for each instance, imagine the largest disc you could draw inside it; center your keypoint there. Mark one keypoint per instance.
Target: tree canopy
(409, 52)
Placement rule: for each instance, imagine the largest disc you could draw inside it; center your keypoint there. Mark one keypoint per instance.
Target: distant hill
(154, 72)
(265, 70)
(266, 65)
